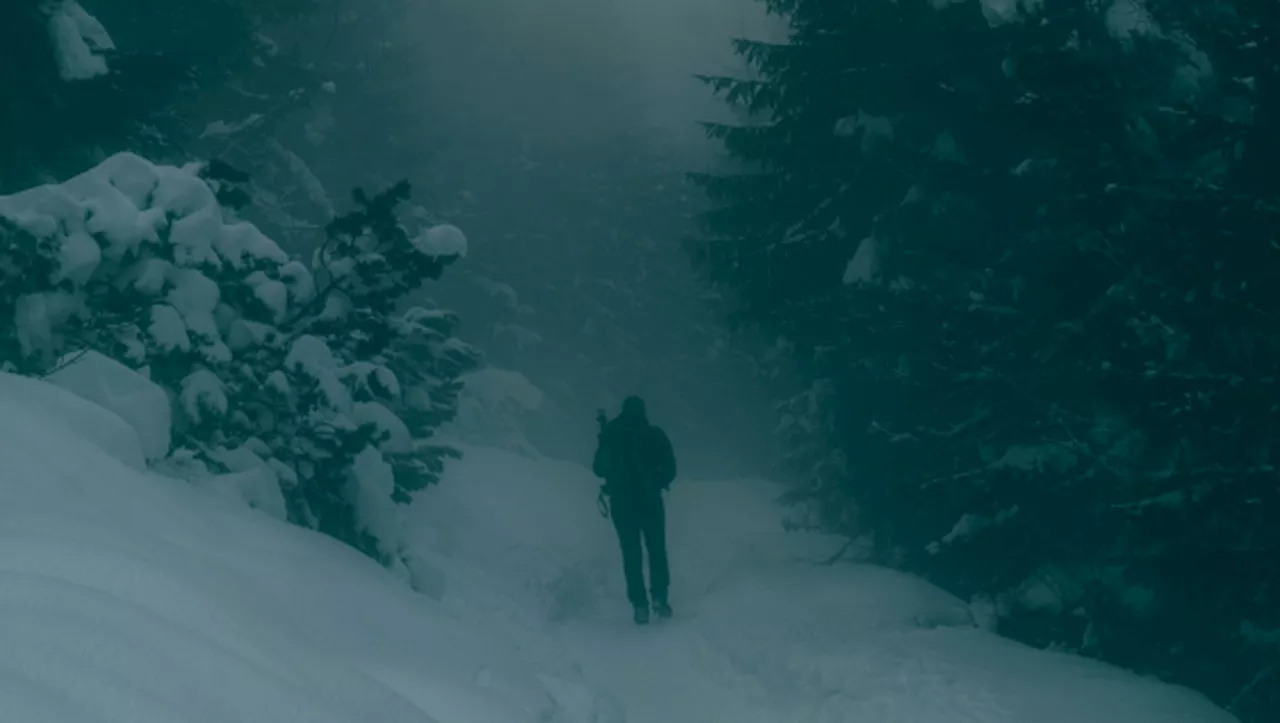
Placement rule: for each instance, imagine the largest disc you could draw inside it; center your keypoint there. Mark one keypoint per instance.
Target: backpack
(641, 457)
(663, 459)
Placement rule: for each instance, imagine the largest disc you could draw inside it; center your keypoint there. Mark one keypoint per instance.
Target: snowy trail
(749, 649)
(658, 674)
(672, 671)
(762, 633)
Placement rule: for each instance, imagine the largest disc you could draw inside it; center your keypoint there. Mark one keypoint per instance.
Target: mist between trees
(989, 281)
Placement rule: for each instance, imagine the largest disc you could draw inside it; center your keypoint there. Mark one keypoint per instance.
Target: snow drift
(126, 596)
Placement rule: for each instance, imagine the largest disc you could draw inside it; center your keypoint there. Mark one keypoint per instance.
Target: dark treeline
(1027, 254)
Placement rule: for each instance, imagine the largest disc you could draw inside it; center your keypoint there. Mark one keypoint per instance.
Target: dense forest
(993, 279)
(1026, 254)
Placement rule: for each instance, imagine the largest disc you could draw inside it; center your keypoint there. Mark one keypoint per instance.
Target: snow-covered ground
(127, 597)
(763, 631)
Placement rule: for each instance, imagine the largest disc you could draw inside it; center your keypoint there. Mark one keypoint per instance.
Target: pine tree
(1042, 379)
(315, 375)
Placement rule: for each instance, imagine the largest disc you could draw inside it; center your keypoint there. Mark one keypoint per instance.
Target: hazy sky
(567, 67)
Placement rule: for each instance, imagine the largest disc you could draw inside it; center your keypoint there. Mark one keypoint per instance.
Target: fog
(565, 69)
(562, 131)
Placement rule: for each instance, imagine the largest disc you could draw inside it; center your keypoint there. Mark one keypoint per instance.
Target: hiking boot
(662, 608)
(642, 614)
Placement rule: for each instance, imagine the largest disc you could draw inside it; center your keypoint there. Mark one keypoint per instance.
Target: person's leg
(655, 540)
(627, 524)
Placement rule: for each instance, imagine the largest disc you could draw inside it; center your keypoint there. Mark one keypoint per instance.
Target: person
(637, 463)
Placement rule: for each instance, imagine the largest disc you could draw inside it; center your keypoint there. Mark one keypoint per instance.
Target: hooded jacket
(634, 457)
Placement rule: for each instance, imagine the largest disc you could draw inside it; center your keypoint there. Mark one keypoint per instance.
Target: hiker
(637, 463)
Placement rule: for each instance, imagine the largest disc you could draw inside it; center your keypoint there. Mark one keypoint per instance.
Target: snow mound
(493, 409)
(89, 425)
(117, 388)
(126, 596)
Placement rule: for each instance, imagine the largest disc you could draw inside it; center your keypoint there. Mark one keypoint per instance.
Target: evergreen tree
(314, 375)
(1042, 379)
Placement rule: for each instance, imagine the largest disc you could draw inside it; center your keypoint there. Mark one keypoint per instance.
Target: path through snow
(763, 633)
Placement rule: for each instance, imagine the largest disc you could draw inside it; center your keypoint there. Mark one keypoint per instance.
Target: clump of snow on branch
(442, 240)
(80, 42)
(864, 265)
(221, 129)
(1127, 19)
(1003, 12)
(875, 131)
